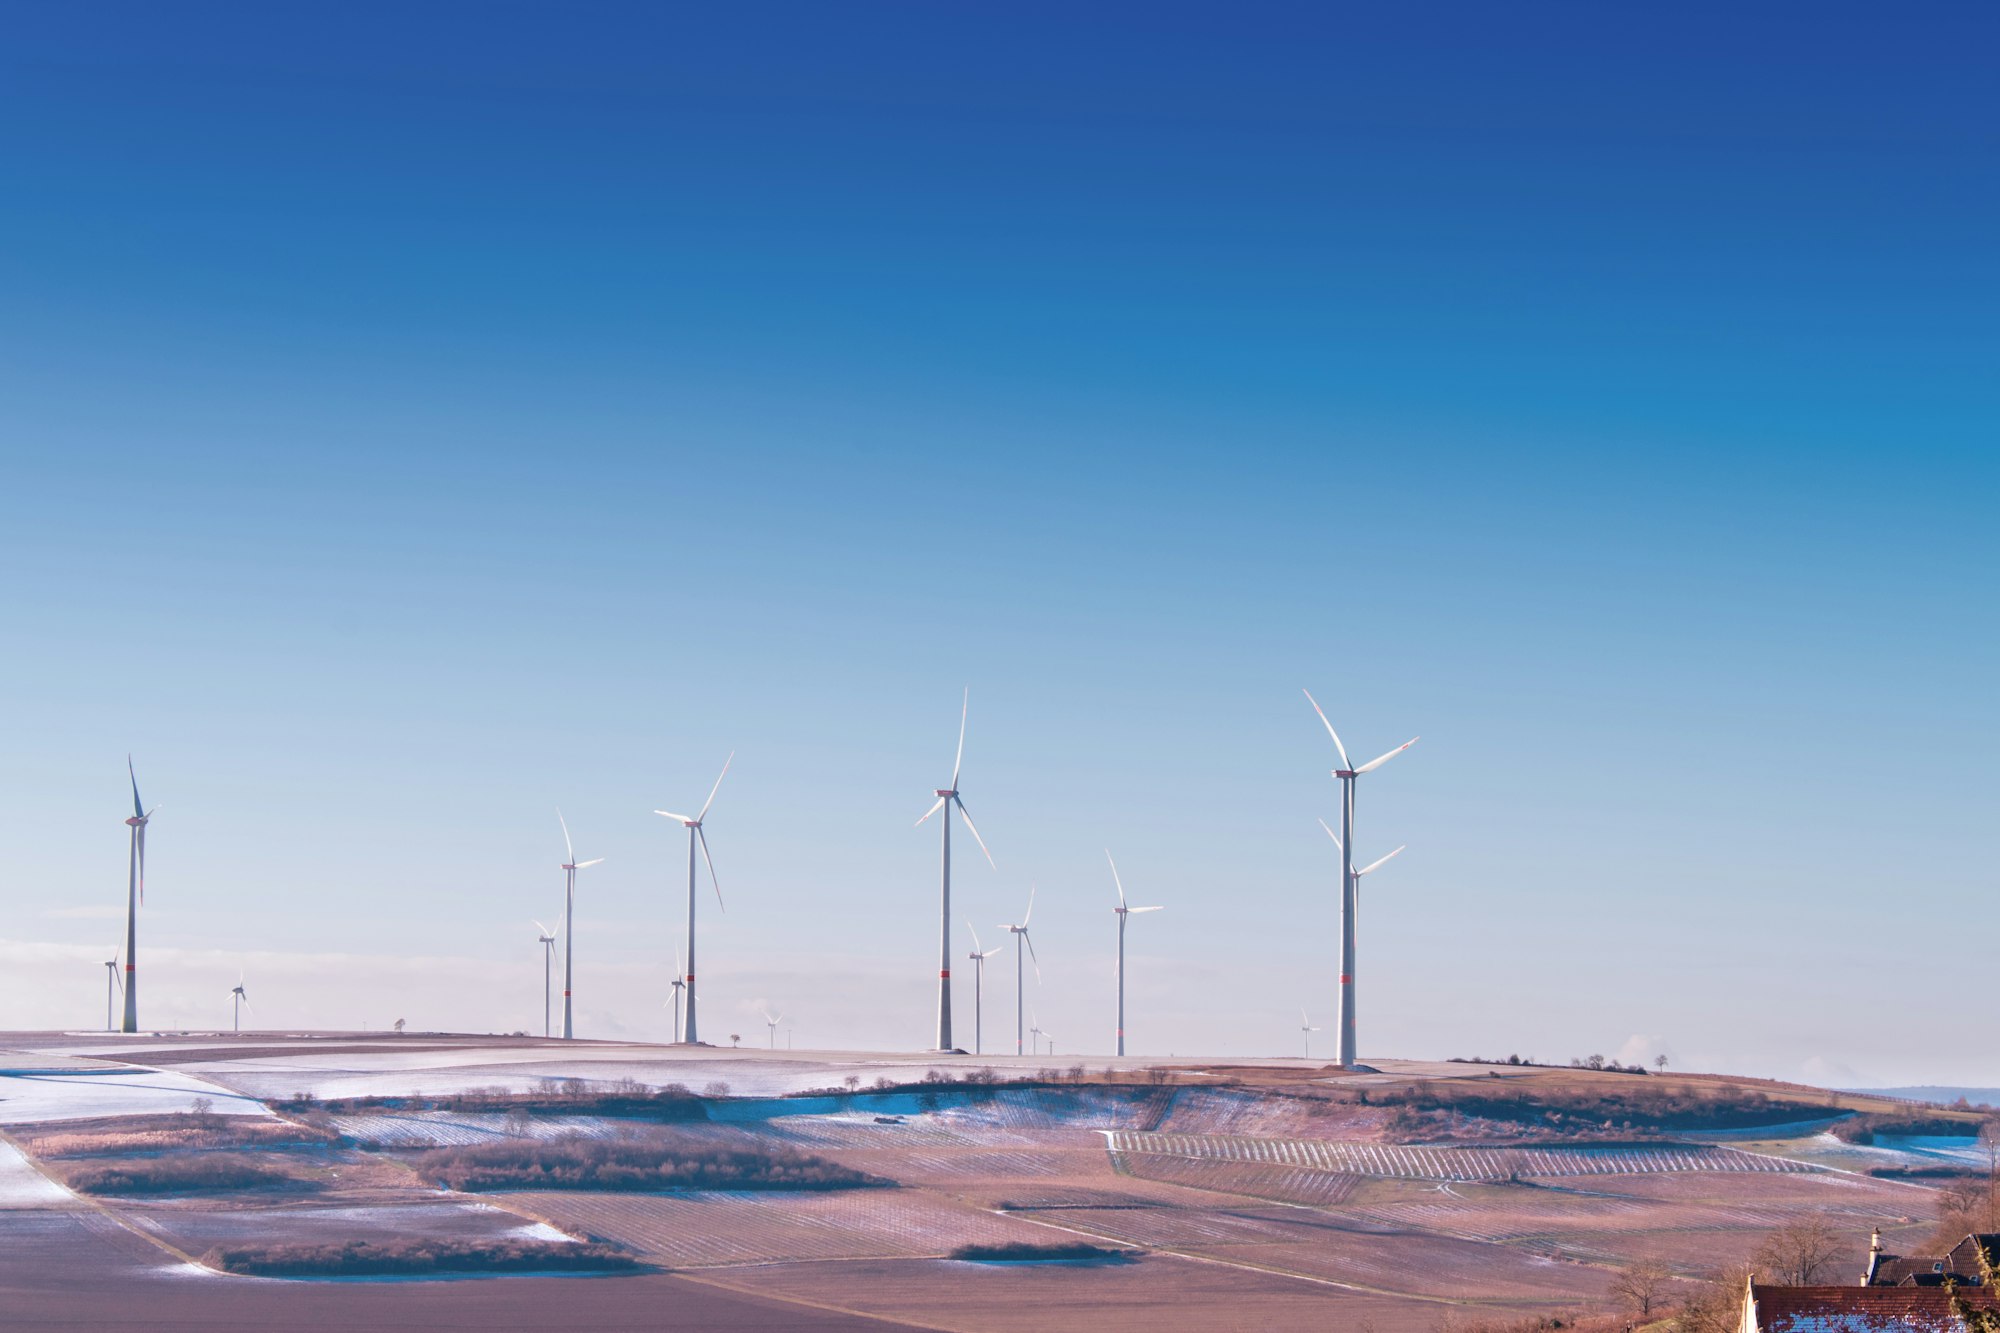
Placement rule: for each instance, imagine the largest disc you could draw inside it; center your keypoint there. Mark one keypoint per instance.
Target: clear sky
(416, 418)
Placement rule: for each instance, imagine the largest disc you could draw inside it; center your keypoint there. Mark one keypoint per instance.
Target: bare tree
(1660, 1063)
(1800, 1251)
(1642, 1288)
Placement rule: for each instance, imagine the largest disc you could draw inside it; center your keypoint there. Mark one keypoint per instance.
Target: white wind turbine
(1368, 869)
(1021, 937)
(1306, 1026)
(238, 1001)
(771, 1021)
(677, 983)
(110, 981)
(695, 834)
(1035, 1033)
(135, 893)
(947, 796)
(1347, 774)
(547, 939)
(979, 990)
(569, 868)
(1123, 911)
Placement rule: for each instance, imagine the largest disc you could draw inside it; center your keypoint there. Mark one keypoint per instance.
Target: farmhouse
(1965, 1264)
(1912, 1309)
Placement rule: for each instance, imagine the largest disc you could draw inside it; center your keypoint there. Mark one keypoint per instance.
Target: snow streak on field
(458, 1129)
(1413, 1162)
(719, 1227)
(21, 1186)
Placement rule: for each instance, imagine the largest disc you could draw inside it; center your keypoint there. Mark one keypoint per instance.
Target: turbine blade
(1142, 909)
(585, 865)
(717, 787)
(958, 760)
(934, 809)
(568, 849)
(671, 815)
(967, 817)
(1031, 907)
(1373, 864)
(1329, 729)
(1330, 833)
(1114, 877)
(138, 811)
(1380, 760)
(702, 838)
(990, 952)
(1029, 940)
(976, 946)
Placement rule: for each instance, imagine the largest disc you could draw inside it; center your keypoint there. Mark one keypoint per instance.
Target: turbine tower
(1347, 774)
(949, 796)
(110, 981)
(771, 1021)
(1306, 1026)
(547, 938)
(979, 990)
(1123, 911)
(569, 869)
(238, 1001)
(1020, 933)
(135, 893)
(695, 835)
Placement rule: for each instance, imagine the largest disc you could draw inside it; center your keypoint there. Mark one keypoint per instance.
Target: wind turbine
(695, 835)
(677, 983)
(1370, 868)
(110, 980)
(979, 990)
(1306, 1026)
(1035, 1033)
(548, 942)
(1123, 911)
(771, 1021)
(135, 893)
(569, 868)
(238, 1001)
(1347, 773)
(1020, 933)
(949, 796)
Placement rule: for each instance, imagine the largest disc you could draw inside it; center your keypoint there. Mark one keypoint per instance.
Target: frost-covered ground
(28, 1097)
(22, 1186)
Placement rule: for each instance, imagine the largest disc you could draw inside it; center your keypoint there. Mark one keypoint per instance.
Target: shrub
(417, 1256)
(598, 1164)
(1031, 1252)
(178, 1175)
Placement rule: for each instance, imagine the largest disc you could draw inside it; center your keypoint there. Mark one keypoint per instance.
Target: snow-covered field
(29, 1097)
(21, 1186)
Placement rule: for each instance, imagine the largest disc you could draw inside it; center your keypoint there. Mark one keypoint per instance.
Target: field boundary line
(810, 1304)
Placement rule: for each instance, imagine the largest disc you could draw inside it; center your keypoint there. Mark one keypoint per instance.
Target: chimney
(1874, 1257)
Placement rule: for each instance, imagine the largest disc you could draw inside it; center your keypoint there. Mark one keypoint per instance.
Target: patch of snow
(21, 1186)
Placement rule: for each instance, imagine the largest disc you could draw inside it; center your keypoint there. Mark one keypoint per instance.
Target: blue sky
(414, 421)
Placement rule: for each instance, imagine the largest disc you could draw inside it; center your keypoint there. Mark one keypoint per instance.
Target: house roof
(1863, 1309)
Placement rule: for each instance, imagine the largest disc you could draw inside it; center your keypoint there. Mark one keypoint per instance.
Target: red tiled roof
(1863, 1309)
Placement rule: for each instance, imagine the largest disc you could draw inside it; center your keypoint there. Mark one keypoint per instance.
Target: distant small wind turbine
(1035, 1033)
(695, 834)
(772, 1020)
(1347, 774)
(677, 983)
(110, 980)
(238, 1002)
(135, 894)
(548, 942)
(979, 990)
(948, 796)
(1305, 1026)
(569, 868)
(1370, 868)
(1123, 912)
(1020, 933)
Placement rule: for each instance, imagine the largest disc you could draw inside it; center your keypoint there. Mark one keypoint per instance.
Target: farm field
(1271, 1195)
